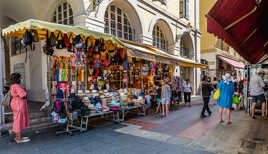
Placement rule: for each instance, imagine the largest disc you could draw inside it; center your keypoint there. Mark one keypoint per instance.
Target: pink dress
(19, 108)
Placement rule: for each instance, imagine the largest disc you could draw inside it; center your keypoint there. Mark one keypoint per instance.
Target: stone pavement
(182, 132)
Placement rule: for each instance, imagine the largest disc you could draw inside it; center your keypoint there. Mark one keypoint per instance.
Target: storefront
(226, 65)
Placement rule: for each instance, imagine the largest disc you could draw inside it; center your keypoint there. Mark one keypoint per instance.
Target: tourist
(206, 89)
(165, 97)
(187, 92)
(19, 107)
(236, 95)
(148, 99)
(257, 92)
(226, 88)
(241, 91)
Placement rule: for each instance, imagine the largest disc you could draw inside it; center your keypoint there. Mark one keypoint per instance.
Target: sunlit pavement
(181, 132)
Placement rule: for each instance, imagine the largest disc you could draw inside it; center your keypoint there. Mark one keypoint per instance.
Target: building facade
(221, 58)
(168, 25)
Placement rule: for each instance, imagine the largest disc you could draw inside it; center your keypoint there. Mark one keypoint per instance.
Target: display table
(82, 124)
(141, 110)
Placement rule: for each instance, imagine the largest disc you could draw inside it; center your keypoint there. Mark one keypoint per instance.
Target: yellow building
(220, 57)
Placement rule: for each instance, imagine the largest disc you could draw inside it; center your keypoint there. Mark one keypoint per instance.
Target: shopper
(226, 87)
(148, 100)
(257, 92)
(207, 88)
(236, 95)
(158, 97)
(165, 97)
(187, 92)
(241, 91)
(19, 107)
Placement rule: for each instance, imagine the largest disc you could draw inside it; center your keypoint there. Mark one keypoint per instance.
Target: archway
(187, 47)
(159, 27)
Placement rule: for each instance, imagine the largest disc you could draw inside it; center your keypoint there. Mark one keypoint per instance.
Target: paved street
(182, 132)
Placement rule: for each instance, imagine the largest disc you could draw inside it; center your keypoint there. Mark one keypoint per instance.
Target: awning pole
(1, 83)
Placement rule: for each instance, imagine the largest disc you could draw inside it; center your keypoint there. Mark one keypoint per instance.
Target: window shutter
(181, 8)
(187, 9)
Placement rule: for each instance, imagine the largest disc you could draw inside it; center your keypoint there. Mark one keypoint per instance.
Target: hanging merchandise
(78, 42)
(60, 41)
(47, 48)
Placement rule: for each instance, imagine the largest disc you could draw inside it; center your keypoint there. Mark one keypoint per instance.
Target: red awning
(242, 24)
(232, 62)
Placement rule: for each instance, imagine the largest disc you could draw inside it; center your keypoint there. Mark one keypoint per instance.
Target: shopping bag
(216, 95)
(236, 100)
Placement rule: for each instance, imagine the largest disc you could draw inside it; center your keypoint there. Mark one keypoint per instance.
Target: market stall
(94, 74)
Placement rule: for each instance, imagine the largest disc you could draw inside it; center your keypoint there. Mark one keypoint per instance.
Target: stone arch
(185, 31)
(130, 7)
(188, 40)
(165, 24)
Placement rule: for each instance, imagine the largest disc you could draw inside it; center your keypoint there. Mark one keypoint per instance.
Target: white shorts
(165, 100)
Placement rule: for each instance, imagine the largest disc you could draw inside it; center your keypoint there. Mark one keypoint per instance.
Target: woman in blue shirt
(226, 87)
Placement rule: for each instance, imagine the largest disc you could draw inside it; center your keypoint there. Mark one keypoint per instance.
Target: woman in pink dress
(19, 107)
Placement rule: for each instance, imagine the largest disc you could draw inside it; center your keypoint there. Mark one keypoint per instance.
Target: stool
(249, 106)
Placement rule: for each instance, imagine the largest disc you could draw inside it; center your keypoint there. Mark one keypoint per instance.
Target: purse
(236, 100)
(7, 99)
(216, 95)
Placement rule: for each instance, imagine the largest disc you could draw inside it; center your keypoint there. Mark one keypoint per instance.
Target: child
(148, 99)
(158, 97)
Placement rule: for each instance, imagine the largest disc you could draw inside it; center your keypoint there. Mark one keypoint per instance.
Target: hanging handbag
(216, 95)
(35, 36)
(60, 42)
(7, 99)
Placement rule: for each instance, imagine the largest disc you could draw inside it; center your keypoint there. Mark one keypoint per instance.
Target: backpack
(7, 99)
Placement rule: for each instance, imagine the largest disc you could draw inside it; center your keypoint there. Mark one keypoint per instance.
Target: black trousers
(206, 107)
(179, 96)
(187, 97)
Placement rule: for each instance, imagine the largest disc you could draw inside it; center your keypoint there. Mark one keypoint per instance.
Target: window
(184, 51)
(63, 14)
(222, 44)
(159, 40)
(117, 23)
(184, 9)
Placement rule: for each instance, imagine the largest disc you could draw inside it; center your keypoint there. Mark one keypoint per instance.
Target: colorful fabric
(19, 107)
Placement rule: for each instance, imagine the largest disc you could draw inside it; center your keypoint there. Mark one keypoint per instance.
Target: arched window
(117, 23)
(159, 40)
(184, 49)
(63, 14)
